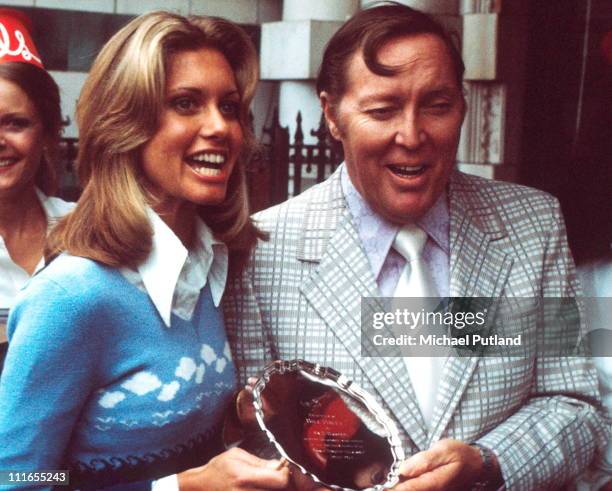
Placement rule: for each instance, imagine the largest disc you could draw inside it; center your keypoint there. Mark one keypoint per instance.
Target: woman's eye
(184, 104)
(18, 123)
(230, 108)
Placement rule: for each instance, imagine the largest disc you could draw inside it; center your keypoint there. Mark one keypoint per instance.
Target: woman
(131, 375)
(30, 127)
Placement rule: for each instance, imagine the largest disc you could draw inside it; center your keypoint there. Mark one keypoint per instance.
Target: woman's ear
(330, 115)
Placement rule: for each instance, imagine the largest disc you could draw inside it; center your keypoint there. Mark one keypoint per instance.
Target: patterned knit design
(95, 382)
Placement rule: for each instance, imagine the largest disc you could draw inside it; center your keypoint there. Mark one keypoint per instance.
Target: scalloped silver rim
(347, 386)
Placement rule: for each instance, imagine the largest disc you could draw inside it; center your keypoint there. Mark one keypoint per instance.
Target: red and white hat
(15, 41)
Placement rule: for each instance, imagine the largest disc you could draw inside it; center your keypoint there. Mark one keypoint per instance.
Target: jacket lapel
(478, 268)
(335, 289)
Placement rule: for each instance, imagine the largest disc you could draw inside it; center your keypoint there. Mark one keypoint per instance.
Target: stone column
(494, 52)
(291, 51)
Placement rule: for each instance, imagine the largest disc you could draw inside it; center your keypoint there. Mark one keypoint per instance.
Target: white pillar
(338, 10)
(291, 52)
(441, 7)
(482, 149)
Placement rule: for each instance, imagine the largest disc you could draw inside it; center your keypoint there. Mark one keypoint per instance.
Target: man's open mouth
(407, 170)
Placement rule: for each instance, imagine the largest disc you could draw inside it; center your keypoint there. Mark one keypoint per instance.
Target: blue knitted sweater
(96, 383)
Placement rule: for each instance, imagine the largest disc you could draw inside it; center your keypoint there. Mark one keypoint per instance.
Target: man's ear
(329, 113)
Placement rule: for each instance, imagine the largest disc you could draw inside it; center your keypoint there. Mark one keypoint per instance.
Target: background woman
(132, 374)
(30, 127)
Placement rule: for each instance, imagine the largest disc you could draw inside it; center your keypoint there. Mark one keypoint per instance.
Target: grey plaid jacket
(300, 295)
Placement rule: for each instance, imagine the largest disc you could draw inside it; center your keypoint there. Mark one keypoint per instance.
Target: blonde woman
(118, 365)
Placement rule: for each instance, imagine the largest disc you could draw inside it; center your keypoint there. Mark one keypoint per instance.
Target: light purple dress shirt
(377, 235)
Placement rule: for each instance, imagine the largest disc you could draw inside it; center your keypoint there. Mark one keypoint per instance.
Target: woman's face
(191, 156)
(21, 139)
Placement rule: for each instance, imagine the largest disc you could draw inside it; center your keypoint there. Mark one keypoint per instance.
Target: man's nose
(410, 133)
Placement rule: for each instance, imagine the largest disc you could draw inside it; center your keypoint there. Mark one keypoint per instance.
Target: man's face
(400, 133)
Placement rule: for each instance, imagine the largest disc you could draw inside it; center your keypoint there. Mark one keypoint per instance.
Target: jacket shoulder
(502, 191)
(511, 201)
(291, 213)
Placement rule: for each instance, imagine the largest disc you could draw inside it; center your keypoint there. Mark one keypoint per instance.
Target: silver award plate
(327, 426)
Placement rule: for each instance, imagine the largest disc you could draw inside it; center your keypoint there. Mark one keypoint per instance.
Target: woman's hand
(235, 469)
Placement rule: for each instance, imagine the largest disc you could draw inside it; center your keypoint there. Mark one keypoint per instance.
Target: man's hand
(448, 465)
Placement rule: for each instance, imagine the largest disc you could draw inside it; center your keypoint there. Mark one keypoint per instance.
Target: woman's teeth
(206, 171)
(207, 164)
(211, 158)
(407, 171)
(7, 162)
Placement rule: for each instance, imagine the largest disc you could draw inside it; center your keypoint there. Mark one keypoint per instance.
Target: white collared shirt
(173, 277)
(12, 276)
(377, 235)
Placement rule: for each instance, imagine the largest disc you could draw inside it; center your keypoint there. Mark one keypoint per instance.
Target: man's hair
(43, 92)
(119, 111)
(368, 30)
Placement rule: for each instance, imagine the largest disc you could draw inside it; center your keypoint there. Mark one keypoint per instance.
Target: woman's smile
(208, 165)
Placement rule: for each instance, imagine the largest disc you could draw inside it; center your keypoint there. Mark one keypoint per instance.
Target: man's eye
(230, 108)
(381, 112)
(439, 107)
(184, 104)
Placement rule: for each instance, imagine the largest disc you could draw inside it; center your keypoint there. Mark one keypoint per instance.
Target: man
(391, 90)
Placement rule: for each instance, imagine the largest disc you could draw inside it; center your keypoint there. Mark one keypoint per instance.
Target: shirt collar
(212, 255)
(377, 233)
(161, 270)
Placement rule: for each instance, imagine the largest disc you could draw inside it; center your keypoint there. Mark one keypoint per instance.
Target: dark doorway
(568, 117)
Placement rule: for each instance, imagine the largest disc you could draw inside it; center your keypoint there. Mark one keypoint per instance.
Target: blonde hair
(118, 111)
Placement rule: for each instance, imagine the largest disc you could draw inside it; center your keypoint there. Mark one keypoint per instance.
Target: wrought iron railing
(288, 167)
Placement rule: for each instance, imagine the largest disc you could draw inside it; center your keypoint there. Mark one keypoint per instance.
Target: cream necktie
(416, 281)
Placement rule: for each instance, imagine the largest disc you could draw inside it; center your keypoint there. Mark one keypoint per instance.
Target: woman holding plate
(125, 373)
